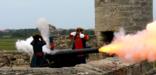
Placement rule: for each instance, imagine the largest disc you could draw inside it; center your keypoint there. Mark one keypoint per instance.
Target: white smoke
(43, 26)
(25, 46)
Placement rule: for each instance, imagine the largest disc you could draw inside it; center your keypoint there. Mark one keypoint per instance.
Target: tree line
(24, 33)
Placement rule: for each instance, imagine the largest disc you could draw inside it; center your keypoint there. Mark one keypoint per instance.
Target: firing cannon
(67, 57)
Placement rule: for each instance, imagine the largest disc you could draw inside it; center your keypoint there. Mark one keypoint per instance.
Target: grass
(8, 43)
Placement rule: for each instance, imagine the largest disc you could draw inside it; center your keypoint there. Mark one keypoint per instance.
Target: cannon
(74, 51)
(68, 57)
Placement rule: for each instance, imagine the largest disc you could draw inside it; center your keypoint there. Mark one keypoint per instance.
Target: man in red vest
(79, 41)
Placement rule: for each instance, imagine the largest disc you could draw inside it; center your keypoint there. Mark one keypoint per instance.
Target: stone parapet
(108, 66)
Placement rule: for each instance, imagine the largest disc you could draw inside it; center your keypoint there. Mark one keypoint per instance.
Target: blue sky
(61, 13)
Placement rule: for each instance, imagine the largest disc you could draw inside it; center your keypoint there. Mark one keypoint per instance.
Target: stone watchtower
(111, 15)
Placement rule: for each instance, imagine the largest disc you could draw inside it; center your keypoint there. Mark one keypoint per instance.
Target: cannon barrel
(74, 51)
(68, 57)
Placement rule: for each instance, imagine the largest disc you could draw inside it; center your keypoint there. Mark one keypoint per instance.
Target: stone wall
(108, 66)
(132, 15)
(14, 59)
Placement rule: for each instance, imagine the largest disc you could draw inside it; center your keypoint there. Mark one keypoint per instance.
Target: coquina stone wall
(107, 66)
(132, 15)
(11, 59)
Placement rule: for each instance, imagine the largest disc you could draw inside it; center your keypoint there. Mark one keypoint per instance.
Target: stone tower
(111, 15)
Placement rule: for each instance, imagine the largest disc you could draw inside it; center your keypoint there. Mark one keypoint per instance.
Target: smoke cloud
(25, 46)
(43, 26)
(134, 47)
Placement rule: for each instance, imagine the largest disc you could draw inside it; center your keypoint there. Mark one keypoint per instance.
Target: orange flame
(134, 47)
(110, 48)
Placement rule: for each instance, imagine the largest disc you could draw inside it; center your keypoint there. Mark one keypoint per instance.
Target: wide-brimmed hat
(79, 29)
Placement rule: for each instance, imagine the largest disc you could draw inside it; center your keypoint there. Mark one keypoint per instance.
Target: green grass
(8, 43)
